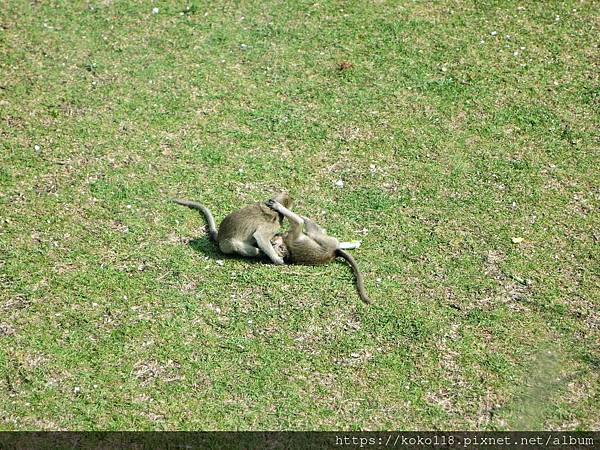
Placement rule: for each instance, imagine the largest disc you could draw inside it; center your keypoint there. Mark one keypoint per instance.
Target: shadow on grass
(207, 247)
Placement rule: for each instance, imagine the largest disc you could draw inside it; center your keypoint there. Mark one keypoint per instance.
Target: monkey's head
(285, 199)
(279, 246)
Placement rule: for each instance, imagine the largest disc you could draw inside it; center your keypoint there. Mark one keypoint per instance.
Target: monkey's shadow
(208, 248)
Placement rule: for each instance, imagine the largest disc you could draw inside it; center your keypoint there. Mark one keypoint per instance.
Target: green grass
(455, 129)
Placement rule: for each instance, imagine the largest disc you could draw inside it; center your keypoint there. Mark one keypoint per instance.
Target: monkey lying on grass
(246, 231)
(307, 243)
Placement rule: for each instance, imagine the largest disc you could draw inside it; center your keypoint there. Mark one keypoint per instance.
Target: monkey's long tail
(359, 278)
(212, 227)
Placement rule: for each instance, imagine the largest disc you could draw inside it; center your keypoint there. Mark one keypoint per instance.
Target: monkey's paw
(278, 261)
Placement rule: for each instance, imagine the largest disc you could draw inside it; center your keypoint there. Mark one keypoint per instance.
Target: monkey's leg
(349, 245)
(326, 242)
(263, 239)
(312, 227)
(319, 235)
(239, 247)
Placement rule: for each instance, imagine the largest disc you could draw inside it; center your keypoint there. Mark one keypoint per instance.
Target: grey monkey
(307, 243)
(246, 231)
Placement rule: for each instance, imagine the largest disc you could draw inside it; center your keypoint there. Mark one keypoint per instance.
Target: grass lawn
(466, 137)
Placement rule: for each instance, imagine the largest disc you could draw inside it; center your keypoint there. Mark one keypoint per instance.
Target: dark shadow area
(206, 246)
(209, 248)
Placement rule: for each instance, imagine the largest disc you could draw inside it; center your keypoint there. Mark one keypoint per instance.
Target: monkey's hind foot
(349, 245)
(271, 203)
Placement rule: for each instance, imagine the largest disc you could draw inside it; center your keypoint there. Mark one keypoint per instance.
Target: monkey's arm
(292, 216)
(263, 240)
(296, 221)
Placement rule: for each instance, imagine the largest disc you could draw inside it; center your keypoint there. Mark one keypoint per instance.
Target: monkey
(246, 231)
(308, 243)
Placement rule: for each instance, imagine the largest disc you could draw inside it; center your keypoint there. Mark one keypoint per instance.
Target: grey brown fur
(246, 231)
(307, 243)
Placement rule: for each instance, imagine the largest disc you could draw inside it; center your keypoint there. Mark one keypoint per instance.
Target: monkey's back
(309, 253)
(242, 224)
